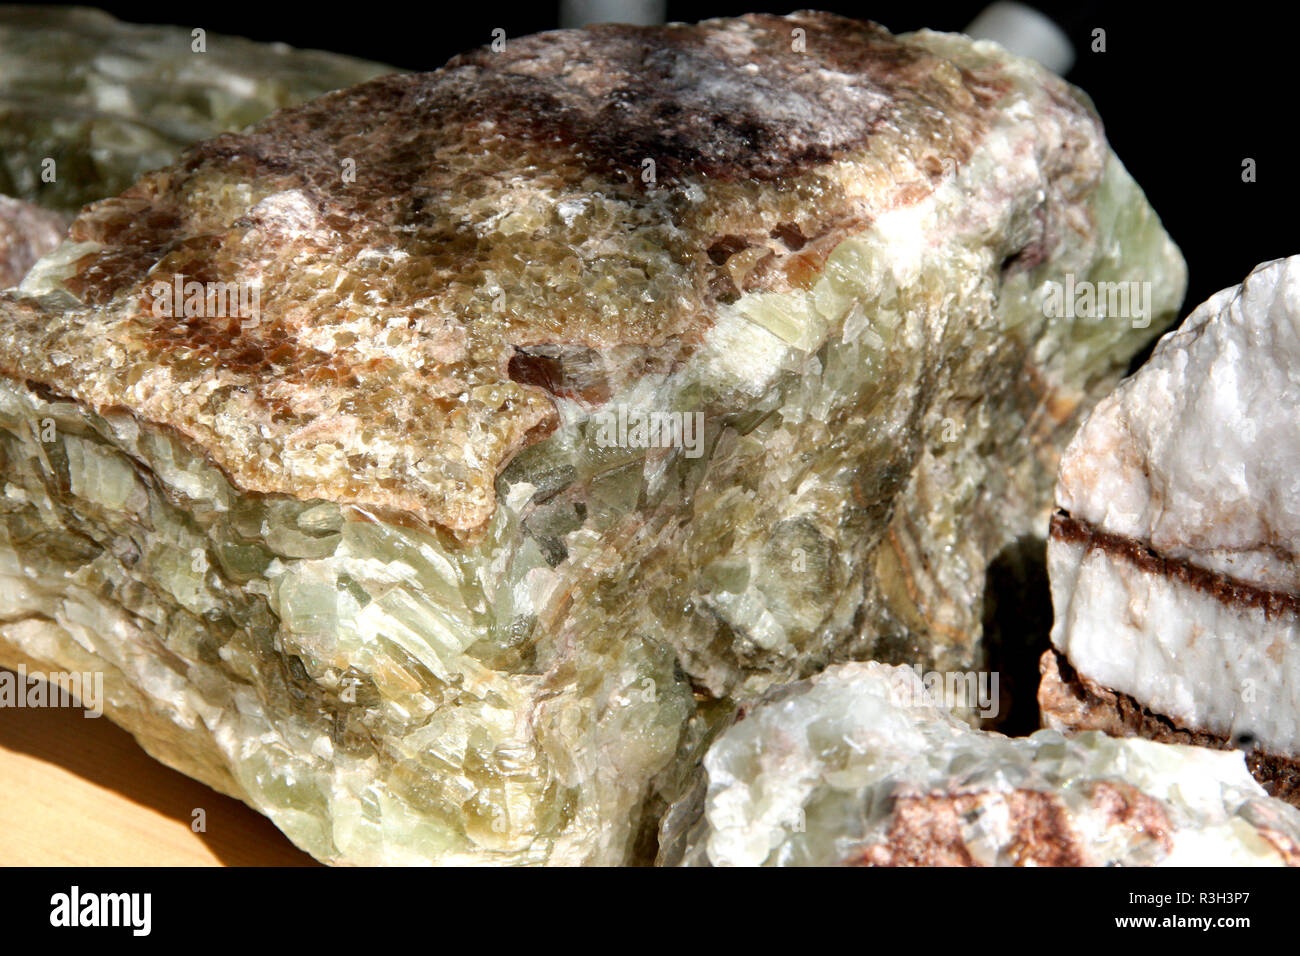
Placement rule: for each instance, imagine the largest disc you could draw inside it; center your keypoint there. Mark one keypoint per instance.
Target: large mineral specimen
(433, 465)
(1173, 556)
(88, 103)
(861, 766)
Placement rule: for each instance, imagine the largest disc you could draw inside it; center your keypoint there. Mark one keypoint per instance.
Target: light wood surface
(80, 792)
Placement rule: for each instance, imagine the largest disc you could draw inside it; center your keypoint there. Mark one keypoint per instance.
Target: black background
(1186, 91)
(345, 912)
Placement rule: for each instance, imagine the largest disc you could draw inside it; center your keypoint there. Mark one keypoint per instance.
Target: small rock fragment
(27, 232)
(861, 766)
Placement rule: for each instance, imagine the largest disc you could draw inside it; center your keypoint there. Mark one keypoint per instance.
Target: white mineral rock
(1173, 555)
(860, 765)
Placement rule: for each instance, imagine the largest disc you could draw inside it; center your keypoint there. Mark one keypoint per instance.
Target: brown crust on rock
(1225, 589)
(1072, 703)
(1285, 846)
(1125, 806)
(410, 235)
(761, 97)
(929, 831)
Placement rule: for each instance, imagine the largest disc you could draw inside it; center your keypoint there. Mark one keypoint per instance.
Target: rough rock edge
(1071, 703)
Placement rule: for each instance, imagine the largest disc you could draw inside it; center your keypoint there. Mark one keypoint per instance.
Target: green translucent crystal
(107, 100)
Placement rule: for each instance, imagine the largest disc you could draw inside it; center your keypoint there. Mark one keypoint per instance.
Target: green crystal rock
(390, 557)
(860, 765)
(106, 101)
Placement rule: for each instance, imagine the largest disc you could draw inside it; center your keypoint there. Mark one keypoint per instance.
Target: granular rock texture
(860, 766)
(531, 413)
(1173, 555)
(88, 103)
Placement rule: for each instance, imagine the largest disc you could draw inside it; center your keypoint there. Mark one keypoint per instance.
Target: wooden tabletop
(80, 792)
